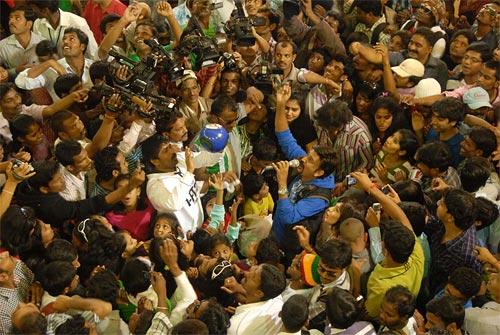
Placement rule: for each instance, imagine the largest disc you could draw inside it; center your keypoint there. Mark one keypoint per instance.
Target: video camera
(265, 77)
(162, 106)
(239, 28)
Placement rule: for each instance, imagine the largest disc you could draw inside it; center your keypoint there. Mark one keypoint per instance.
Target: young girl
(165, 224)
(299, 122)
(258, 199)
(133, 213)
(385, 118)
(27, 133)
(394, 161)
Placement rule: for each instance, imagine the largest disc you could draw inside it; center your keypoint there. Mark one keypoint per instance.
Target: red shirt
(94, 14)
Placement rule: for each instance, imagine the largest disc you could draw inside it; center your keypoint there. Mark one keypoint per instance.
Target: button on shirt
(447, 256)
(12, 54)
(75, 186)
(45, 29)
(48, 78)
(11, 297)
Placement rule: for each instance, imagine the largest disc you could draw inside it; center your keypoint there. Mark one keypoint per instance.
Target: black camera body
(239, 28)
(266, 77)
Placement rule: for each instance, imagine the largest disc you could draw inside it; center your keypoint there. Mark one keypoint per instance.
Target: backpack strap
(313, 191)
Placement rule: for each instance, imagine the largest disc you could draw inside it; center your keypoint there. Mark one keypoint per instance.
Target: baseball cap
(409, 67)
(427, 87)
(476, 97)
(188, 74)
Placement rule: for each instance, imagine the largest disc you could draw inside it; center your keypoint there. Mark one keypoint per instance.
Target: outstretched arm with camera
(103, 135)
(15, 175)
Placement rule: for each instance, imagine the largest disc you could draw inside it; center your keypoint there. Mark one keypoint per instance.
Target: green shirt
(382, 279)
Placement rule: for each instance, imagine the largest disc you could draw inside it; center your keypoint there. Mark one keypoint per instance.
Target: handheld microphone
(293, 164)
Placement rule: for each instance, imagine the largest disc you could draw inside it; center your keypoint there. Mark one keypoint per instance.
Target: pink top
(458, 93)
(136, 223)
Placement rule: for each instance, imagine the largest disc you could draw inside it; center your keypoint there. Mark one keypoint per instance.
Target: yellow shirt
(382, 279)
(262, 209)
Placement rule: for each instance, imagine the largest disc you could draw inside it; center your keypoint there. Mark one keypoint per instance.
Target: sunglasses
(81, 229)
(220, 268)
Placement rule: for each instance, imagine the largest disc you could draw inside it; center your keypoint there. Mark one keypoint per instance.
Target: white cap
(409, 67)
(427, 87)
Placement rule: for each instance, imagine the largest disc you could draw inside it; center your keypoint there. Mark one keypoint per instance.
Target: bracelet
(7, 191)
(283, 191)
(162, 308)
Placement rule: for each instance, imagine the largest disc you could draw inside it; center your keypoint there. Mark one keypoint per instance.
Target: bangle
(7, 191)
(162, 308)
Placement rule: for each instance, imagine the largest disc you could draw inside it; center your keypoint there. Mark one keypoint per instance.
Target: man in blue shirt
(308, 194)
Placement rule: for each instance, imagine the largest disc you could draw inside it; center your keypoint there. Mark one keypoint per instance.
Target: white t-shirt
(178, 193)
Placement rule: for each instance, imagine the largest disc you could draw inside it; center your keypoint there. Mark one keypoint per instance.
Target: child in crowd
(258, 199)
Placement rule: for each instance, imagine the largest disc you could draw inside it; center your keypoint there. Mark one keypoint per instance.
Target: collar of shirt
(256, 305)
(34, 40)
(86, 66)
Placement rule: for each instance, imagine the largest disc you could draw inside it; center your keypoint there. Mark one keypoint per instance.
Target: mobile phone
(376, 207)
(18, 162)
(386, 189)
(351, 181)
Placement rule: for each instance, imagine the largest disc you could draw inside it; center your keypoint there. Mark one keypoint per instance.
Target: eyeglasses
(81, 229)
(220, 268)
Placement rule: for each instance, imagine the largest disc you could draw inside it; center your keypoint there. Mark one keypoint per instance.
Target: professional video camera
(239, 28)
(205, 50)
(265, 77)
(228, 60)
(162, 106)
(144, 72)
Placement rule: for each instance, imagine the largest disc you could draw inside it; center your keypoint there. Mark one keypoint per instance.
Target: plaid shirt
(11, 297)
(447, 256)
(160, 325)
(353, 145)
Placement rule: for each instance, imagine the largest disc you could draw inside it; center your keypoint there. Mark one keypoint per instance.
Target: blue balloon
(213, 137)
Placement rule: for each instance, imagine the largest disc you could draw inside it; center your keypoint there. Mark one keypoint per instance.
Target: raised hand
(417, 121)
(17, 174)
(163, 8)
(283, 93)
(217, 182)
(138, 178)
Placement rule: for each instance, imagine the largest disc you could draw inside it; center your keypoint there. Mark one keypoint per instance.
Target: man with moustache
(17, 52)
(45, 74)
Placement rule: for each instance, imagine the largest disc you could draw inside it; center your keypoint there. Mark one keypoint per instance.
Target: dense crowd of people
(250, 167)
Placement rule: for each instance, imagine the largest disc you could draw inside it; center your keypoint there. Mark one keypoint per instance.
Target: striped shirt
(353, 145)
(404, 167)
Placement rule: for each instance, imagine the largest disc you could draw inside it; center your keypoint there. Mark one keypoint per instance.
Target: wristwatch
(283, 191)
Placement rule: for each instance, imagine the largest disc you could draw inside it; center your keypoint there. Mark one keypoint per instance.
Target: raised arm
(389, 81)
(103, 135)
(390, 207)
(131, 14)
(282, 95)
(67, 101)
(163, 8)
